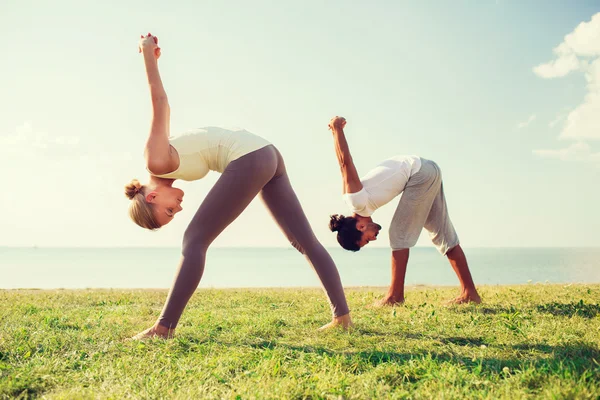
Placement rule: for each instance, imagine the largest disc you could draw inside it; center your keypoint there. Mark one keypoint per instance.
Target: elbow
(346, 162)
(158, 95)
(160, 99)
(160, 106)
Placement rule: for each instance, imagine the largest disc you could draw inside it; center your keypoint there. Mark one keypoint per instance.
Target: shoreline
(291, 288)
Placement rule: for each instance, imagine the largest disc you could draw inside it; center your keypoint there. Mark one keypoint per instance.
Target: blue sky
(505, 96)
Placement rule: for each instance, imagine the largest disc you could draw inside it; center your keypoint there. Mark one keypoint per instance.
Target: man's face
(369, 229)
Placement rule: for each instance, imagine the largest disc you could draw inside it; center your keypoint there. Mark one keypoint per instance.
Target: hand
(337, 123)
(149, 44)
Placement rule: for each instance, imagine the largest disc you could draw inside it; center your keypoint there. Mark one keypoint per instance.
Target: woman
(422, 205)
(249, 165)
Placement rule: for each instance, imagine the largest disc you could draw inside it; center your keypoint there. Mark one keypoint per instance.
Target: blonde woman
(249, 165)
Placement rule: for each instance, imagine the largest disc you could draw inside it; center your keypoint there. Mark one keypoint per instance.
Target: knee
(452, 250)
(297, 246)
(192, 265)
(307, 246)
(400, 240)
(395, 234)
(193, 246)
(193, 255)
(393, 231)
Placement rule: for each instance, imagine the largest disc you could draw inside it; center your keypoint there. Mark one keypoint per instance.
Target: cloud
(584, 41)
(524, 124)
(561, 66)
(28, 142)
(578, 151)
(555, 121)
(584, 121)
(579, 51)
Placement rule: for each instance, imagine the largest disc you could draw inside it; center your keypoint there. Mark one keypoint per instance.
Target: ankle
(343, 320)
(395, 294)
(163, 330)
(470, 293)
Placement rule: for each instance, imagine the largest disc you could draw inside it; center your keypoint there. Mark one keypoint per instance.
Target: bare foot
(465, 298)
(389, 301)
(157, 331)
(344, 321)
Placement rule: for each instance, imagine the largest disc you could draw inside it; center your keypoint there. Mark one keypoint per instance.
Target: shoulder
(162, 166)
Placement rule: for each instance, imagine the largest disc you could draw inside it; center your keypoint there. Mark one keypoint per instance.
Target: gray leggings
(260, 171)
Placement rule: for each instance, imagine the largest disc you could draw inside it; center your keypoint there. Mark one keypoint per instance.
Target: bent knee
(399, 240)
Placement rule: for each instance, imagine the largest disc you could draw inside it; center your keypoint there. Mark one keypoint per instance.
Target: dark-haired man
(422, 205)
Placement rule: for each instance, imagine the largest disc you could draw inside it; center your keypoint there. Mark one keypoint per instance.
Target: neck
(156, 181)
(361, 218)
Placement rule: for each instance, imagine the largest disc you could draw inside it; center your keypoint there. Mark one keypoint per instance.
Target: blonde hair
(140, 211)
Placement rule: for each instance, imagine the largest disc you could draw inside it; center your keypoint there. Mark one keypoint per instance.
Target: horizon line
(283, 247)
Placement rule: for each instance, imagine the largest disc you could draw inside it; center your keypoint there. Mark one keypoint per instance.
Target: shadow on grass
(457, 340)
(566, 352)
(264, 344)
(557, 309)
(380, 333)
(570, 309)
(487, 310)
(464, 341)
(574, 358)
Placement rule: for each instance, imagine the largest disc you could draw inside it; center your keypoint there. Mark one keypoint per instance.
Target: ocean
(51, 268)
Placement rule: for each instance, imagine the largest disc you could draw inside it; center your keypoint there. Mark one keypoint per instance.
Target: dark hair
(347, 234)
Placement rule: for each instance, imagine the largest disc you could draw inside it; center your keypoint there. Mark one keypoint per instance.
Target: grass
(529, 341)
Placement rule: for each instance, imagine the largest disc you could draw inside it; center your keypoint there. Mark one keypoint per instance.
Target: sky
(503, 95)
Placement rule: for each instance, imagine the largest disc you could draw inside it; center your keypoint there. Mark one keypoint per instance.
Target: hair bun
(336, 222)
(133, 188)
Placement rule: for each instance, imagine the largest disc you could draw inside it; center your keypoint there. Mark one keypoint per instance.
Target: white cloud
(584, 121)
(578, 151)
(561, 66)
(25, 137)
(524, 124)
(26, 142)
(579, 51)
(555, 121)
(584, 41)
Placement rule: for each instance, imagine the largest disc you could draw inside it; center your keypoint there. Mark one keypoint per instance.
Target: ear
(151, 197)
(361, 226)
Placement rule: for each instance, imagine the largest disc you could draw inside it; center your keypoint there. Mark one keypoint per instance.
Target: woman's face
(166, 201)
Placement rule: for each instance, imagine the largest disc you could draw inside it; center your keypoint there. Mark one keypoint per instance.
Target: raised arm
(352, 183)
(159, 156)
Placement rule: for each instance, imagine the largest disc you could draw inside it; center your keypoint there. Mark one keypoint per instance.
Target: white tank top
(210, 149)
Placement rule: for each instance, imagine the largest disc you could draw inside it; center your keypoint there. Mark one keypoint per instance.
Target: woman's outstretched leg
(238, 185)
(285, 207)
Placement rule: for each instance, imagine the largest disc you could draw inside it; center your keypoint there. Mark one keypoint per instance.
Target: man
(422, 205)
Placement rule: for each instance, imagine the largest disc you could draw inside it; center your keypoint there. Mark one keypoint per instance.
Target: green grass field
(539, 341)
